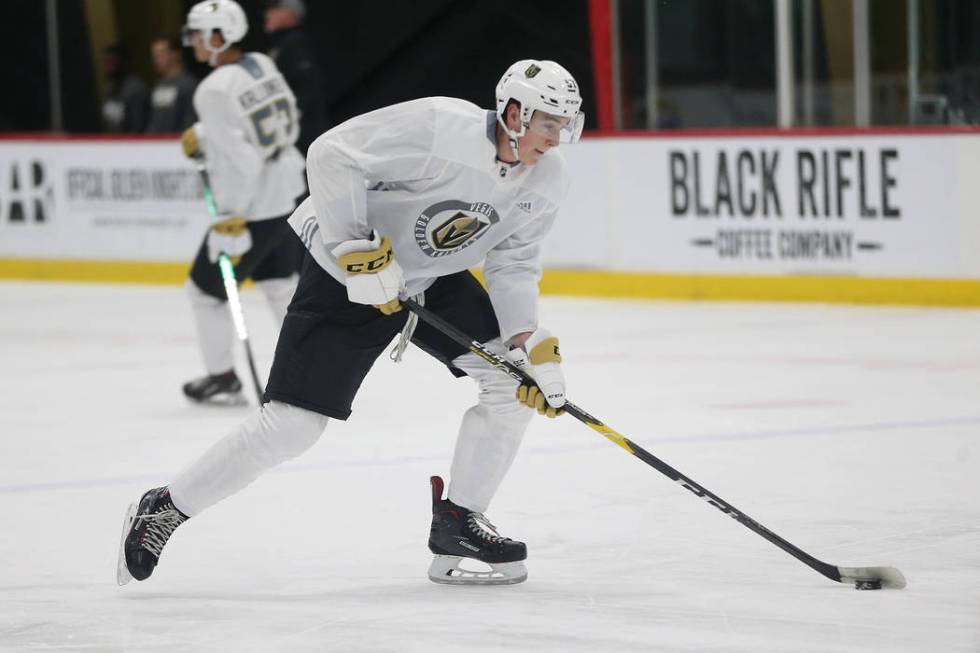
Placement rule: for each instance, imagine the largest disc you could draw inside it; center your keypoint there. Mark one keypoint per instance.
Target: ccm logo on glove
(354, 263)
(373, 275)
(543, 364)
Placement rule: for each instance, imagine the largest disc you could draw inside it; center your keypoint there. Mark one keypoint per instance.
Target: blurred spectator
(293, 53)
(172, 100)
(126, 99)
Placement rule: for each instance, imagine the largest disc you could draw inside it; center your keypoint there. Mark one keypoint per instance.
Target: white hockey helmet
(541, 86)
(210, 15)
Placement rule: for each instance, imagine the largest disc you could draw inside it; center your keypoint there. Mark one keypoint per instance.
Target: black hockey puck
(867, 585)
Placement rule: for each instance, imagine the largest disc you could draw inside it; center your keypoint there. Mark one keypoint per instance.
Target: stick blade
(889, 577)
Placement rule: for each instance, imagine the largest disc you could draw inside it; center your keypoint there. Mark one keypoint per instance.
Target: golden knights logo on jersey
(448, 227)
(456, 231)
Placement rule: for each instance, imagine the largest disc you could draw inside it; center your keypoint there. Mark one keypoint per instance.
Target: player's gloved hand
(373, 275)
(230, 236)
(190, 144)
(541, 360)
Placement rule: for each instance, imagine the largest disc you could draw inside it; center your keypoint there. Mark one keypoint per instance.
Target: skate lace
(159, 527)
(480, 525)
(200, 382)
(203, 382)
(407, 332)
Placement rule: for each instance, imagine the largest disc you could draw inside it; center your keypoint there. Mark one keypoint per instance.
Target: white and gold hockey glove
(190, 142)
(231, 237)
(373, 275)
(541, 360)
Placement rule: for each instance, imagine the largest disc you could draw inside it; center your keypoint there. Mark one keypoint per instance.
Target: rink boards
(859, 216)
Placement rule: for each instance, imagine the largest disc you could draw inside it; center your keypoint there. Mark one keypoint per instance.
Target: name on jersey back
(261, 92)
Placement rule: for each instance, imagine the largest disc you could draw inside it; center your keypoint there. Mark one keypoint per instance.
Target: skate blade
(122, 571)
(446, 570)
(221, 399)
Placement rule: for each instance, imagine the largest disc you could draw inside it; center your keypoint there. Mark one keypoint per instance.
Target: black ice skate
(224, 388)
(146, 529)
(459, 534)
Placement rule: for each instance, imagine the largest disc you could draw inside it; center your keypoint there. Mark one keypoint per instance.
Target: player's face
(542, 134)
(201, 53)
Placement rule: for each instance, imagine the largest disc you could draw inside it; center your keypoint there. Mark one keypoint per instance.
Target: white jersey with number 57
(248, 124)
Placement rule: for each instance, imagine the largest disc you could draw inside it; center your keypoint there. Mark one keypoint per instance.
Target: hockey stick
(231, 284)
(860, 577)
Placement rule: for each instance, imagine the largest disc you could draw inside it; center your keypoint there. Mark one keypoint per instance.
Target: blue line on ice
(376, 462)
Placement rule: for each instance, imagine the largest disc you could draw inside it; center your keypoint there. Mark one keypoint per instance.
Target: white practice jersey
(425, 174)
(248, 123)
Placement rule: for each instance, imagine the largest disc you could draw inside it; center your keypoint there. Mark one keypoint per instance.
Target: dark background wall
(372, 53)
(24, 75)
(377, 53)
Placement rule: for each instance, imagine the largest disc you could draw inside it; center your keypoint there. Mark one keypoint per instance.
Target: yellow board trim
(589, 283)
(94, 271)
(837, 289)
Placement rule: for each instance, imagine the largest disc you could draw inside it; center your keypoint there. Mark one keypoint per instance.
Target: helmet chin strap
(512, 136)
(213, 59)
(512, 140)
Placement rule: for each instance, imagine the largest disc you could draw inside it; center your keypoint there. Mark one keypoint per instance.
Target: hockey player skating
(409, 197)
(246, 131)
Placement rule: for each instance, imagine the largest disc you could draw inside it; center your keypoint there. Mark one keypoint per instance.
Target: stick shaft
(828, 570)
(231, 285)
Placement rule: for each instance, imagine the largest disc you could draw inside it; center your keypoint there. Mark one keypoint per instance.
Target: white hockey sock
(489, 436)
(278, 292)
(274, 434)
(214, 329)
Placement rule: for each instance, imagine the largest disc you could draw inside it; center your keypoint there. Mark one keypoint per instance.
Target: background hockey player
(246, 134)
(410, 197)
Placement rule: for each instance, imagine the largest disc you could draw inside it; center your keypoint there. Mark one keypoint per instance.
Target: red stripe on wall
(63, 136)
(793, 132)
(600, 26)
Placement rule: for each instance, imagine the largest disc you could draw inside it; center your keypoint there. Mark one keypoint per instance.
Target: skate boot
(458, 534)
(224, 388)
(146, 529)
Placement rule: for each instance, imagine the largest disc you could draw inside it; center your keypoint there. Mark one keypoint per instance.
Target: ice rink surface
(853, 432)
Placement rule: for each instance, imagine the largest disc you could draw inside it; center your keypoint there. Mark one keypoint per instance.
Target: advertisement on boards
(113, 200)
(848, 205)
(861, 205)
